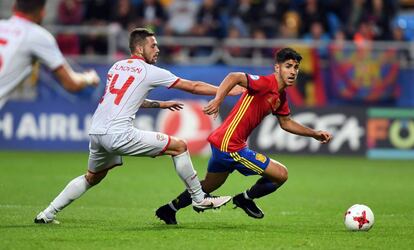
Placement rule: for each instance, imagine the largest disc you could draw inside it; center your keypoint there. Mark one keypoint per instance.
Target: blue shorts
(246, 161)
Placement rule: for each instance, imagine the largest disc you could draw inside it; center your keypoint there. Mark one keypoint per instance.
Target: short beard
(149, 60)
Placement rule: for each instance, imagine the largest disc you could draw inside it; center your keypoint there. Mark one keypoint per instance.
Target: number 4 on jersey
(118, 92)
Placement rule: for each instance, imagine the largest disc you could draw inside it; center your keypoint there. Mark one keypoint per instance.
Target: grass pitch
(306, 213)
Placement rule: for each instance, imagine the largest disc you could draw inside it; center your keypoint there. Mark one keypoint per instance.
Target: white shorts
(105, 151)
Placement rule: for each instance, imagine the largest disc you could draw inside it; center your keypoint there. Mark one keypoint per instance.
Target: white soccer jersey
(128, 84)
(22, 42)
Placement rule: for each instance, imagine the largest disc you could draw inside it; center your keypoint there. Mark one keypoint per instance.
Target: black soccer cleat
(248, 206)
(167, 214)
(39, 221)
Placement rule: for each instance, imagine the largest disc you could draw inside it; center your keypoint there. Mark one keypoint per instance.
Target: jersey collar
(22, 16)
(137, 57)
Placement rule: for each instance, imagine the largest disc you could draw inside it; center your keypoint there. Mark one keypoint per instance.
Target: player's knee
(176, 147)
(94, 178)
(181, 146)
(280, 176)
(279, 173)
(283, 174)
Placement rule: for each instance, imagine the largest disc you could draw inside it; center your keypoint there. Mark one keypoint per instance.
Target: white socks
(72, 191)
(184, 168)
(79, 185)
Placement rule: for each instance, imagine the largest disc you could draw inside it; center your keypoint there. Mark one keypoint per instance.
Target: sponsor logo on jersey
(161, 137)
(260, 157)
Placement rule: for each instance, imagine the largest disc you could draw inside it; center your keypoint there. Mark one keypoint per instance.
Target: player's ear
(277, 67)
(139, 49)
(43, 13)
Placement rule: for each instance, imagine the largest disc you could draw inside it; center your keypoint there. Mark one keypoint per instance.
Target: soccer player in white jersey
(112, 134)
(23, 40)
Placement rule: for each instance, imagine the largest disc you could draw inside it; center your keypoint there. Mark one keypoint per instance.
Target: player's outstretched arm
(290, 125)
(75, 81)
(231, 82)
(202, 88)
(196, 87)
(171, 105)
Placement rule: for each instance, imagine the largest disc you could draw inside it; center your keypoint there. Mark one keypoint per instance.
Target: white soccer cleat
(42, 218)
(210, 202)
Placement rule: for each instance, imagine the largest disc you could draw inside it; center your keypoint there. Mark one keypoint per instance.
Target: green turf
(306, 213)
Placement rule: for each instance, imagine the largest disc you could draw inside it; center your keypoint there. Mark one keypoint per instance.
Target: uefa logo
(190, 124)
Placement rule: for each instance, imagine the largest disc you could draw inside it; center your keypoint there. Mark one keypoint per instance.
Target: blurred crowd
(313, 20)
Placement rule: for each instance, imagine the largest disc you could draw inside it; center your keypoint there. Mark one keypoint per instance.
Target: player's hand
(323, 136)
(91, 78)
(212, 108)
(172, 105)
(237, 90)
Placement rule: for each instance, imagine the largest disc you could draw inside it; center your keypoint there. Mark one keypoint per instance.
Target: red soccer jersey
(260, 99)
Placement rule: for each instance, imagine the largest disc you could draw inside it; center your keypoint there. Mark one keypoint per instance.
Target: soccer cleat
(210, 202)
(42, 218)
(248, 206)
(167, 214)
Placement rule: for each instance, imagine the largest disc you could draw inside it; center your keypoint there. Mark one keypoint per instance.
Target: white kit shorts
(106, 151)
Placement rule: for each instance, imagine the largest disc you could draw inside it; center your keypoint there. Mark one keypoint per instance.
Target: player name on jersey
(131, 69)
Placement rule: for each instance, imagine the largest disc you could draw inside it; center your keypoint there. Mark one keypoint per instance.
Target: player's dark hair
(287, 54)
(138, 36)
(29, 6)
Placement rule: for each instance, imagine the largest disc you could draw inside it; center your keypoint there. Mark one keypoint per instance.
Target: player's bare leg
(213, 181)
(274, 176)
(276, 172)
(184, 168)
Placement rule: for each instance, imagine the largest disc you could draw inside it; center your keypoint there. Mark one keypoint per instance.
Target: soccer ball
(359, 218)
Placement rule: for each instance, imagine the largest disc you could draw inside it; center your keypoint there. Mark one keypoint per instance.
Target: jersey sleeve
(162, 77)
(44, 47)
(256, 84)
(283, 108)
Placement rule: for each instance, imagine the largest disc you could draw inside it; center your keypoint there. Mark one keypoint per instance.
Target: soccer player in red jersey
(265, 95)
